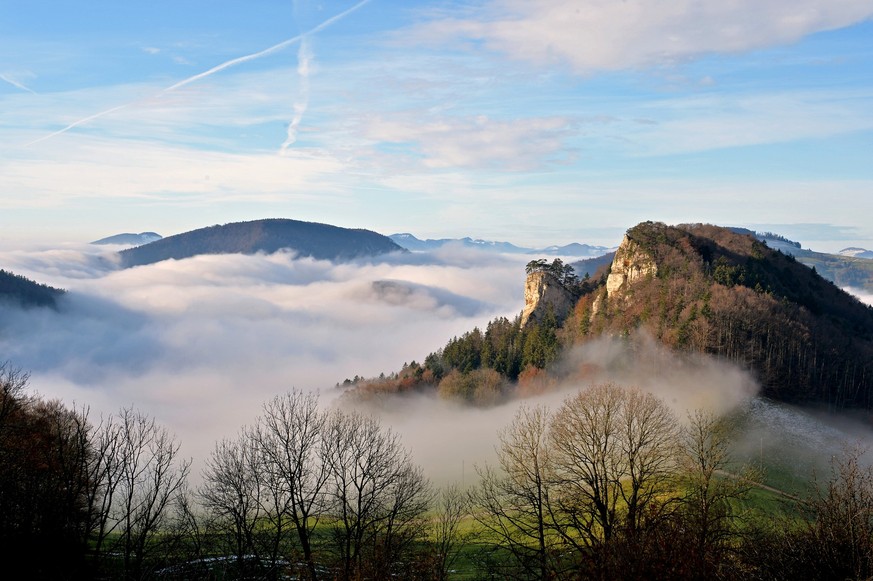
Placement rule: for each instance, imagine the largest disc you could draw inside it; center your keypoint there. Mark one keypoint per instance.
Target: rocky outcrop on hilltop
(695, 288)
(631, 263)
(543, 292)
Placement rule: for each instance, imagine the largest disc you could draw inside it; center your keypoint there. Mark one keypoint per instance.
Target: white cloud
(710, 122)
(201, 343)
(477, 142)
(100, 168)
(591, 35)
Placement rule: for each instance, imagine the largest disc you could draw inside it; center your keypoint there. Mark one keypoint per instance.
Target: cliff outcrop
(543, 291)
(630, 264)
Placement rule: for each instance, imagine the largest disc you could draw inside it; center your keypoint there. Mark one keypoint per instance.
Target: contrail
(304, 57)
(212, 71)
(16, 84)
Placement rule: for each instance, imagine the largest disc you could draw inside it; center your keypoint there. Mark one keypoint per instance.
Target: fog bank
(201, 343)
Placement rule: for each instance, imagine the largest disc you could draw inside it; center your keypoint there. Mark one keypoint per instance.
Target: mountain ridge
(575, 249)
(730, 295)
(129, 238)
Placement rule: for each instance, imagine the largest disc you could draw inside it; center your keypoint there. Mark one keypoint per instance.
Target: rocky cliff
(543, 291)
(631, 263)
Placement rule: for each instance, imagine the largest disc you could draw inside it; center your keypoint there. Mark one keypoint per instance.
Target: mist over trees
(610, 485)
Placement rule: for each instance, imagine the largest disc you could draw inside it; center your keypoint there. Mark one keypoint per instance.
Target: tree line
(21, 290)
(610, 485)
(302, 491)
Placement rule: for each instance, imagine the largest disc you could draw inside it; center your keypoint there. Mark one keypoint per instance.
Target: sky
(536, 122)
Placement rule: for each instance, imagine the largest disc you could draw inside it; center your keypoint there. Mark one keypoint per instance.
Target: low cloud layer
(201, 343)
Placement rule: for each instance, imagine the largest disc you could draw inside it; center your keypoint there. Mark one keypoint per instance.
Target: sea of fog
(202, 343)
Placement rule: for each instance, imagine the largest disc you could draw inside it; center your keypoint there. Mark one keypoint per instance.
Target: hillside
(22, 291)
(696, 289)
(851, 267)
(707, 289)
(856, 252)
(843, 270)
(319, 241)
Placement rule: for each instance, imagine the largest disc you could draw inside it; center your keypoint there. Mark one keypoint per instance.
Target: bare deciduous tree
(13, 382)
(614, 456)
(231, 493)
(512, 500)
(710, 490)
(151, 475)
(289, 440)
(451, 507)
(838, 539)
(377, 494)
(105, 474)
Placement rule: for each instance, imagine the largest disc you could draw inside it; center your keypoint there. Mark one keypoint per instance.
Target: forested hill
(696, 289)
(22, 291)
(728, 294)
(319, 241)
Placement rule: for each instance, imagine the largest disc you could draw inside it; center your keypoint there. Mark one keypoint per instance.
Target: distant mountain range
(130, 239)
(410, 242)
(309, 239)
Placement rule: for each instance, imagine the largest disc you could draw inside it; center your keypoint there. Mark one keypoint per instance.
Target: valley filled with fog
(202, 343)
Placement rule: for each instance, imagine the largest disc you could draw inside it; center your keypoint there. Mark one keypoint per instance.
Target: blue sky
(532, 121)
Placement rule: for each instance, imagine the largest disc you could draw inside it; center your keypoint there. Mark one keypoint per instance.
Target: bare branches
(377, 493)
(451, 507)
(569, 484)
(513, 501)
(150, 476)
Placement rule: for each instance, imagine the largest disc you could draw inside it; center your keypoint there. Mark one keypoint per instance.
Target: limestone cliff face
(631, 263)
(542, 290)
